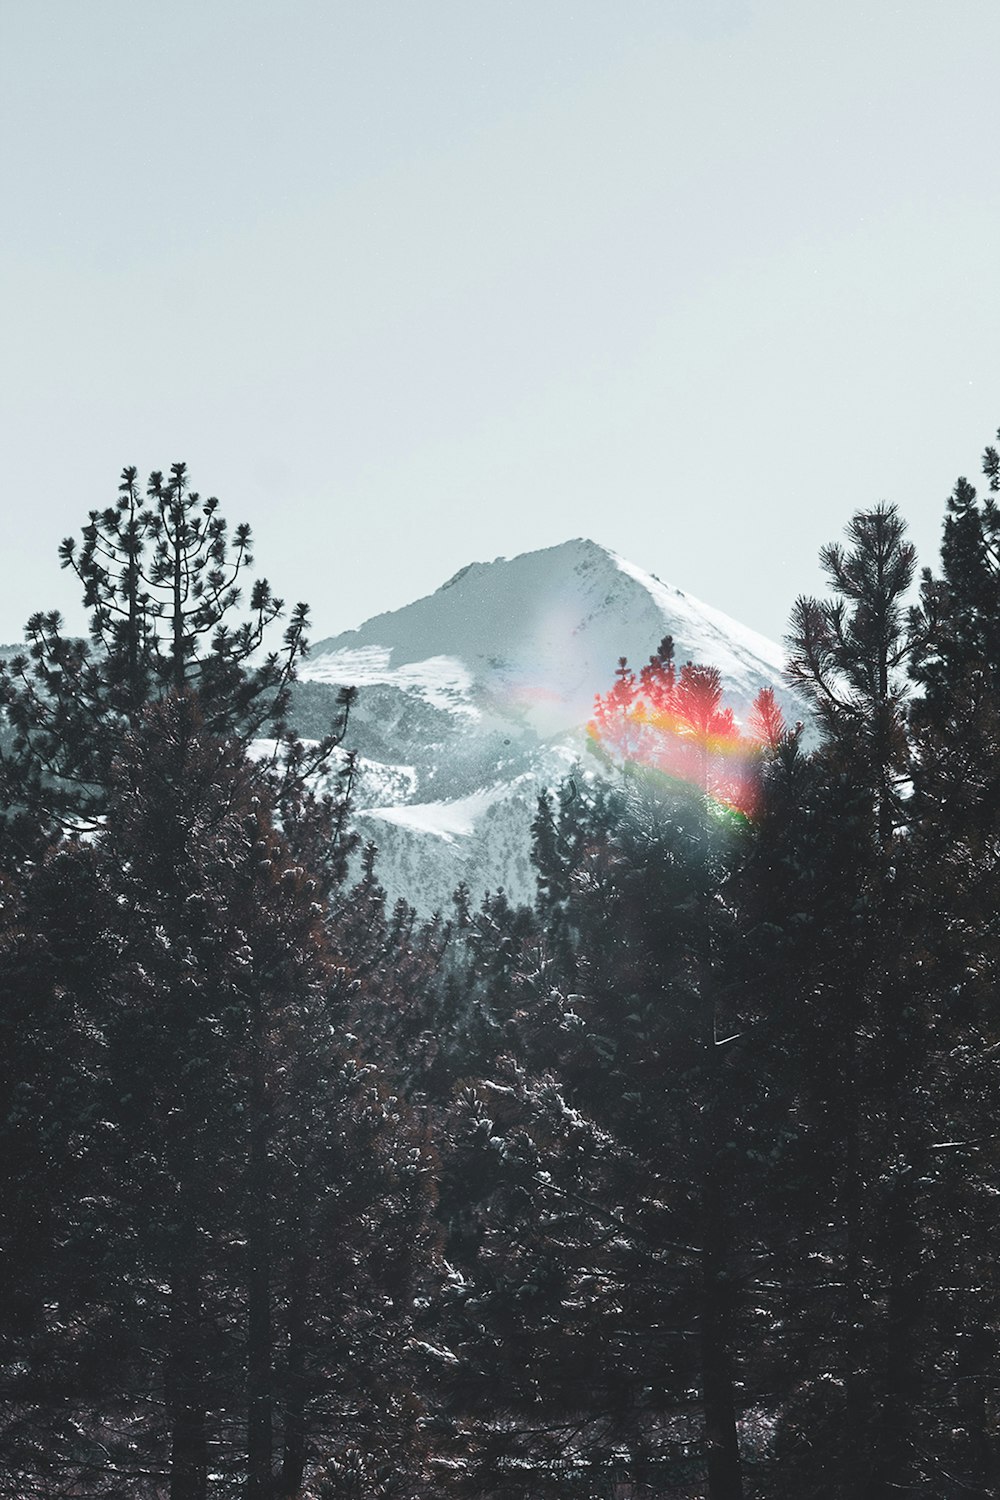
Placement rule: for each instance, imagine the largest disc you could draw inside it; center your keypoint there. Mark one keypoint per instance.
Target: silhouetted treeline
(680, 1183)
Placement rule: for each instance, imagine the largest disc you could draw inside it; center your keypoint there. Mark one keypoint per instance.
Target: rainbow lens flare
(676, 724)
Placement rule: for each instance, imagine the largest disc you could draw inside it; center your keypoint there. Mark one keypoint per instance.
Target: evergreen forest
(680, 1184)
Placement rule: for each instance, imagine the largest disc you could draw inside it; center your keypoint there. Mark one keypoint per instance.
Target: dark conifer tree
(234, 1204)
(614, 1129)
(800, 958)
(264, 1188)
(57, 1336)
(849, 655)
(269, 1168)
(162, 579)
(956, 842)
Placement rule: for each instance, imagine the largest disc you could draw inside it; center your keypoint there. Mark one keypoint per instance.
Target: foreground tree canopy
(680, 1183)
(163, 582)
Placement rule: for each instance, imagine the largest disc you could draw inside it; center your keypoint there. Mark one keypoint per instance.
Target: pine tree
(956, 837)
(849, 655)
(162, 581)
(800, 956)
(249, 1198)
(592, 1200)
(57, 1337)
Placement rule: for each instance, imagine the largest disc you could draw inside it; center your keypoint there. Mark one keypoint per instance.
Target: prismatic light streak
(674, 723)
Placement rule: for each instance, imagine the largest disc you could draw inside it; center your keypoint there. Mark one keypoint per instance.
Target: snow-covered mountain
(475, 697)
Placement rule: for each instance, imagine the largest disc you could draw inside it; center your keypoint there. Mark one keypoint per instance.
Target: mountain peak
(577, 549)
(474, 697)
(542, 632)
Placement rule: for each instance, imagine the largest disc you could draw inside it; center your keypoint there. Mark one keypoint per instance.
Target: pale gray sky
(411, 283)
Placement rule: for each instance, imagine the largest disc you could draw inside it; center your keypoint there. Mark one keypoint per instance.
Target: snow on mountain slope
(482, 690)
(715, 637)
(446, 819)
(441, 680)
(536, 636)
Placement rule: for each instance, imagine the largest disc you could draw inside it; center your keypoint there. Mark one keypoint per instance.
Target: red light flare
(675, 722)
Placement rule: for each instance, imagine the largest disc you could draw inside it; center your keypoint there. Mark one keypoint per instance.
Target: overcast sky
(412, 283)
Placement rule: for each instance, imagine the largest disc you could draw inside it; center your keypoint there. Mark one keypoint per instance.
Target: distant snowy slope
(715, 638)
(441, 680)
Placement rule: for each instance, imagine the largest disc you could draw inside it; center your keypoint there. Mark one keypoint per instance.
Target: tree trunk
(722, 1452)
(259, 1338)
(890, 1450)
(900, 1257)
(857, 1352)
(185, 1394)
(177, 582)
(976, 1359)
(721, 1442)
(293, 1457)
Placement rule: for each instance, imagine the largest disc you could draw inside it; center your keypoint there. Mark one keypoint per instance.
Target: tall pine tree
(162, 578)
